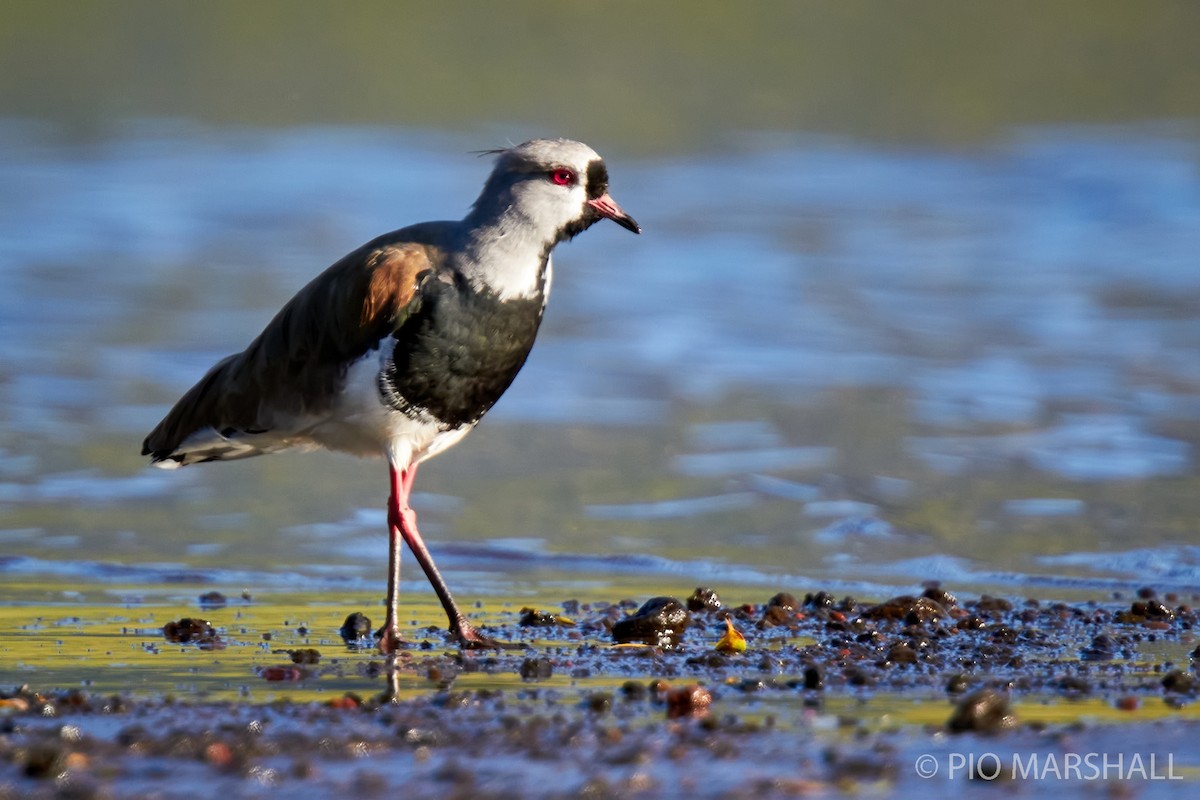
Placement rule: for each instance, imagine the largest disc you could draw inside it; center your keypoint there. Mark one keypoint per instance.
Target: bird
(401, 347)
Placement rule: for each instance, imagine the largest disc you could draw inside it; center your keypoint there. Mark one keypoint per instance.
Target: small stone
(193, 631)
(1128, 703)
(819, 600)
(704, 600)
(934, 591)
(912, 610)
(957, 683)
(1074, 686)
(661, 622)
(971, 622)
(219, 754)
(688, 701)
(306, 655)
(989, 603)
(1153, 609)
(45, 761)
(634, 690)
(599, 702)
(901, 653)
(856, 676)
(356, 627)
(532, 618)
(785, 601)
(982, 711)
(281, 673)
(1102, 648)
(1179, 682)
(536, 669)
(777, 617)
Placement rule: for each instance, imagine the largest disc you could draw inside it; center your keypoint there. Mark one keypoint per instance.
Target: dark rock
(661, 621)
(901, 653)
(212, 600)
(858, 677)
(532, 618)
(785, 601)
(1152, 609)
(599, 702)
(957, 684)
(813, 677)
(192, 631)
(709, 660)
(1074, 686)
(1003, 633)
(634, 690)
(926, 612)
(1102, 648)
(703, 600)
(305, 655)
(934, 591)
(688, 701)
(895, 608)
(357, 626)
(819, 600)
(1179, 682)
(46, 760)
(912, 610)
(777, 616)
(982, 711)
(872, 638)
(536, 669)
(989, 603)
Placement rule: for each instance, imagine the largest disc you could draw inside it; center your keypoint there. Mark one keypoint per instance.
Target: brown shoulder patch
(396, 272)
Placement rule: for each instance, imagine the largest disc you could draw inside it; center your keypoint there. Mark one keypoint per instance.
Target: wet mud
(618, 699)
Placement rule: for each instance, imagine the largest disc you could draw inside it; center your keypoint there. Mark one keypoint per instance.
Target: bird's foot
(390, 642)
(469, 638)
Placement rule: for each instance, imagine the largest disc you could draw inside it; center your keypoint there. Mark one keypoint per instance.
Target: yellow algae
(109, 639)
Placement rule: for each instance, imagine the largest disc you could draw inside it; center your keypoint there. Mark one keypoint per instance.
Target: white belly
(362, 424)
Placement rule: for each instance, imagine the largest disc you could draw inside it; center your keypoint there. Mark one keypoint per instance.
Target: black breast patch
(458, 352)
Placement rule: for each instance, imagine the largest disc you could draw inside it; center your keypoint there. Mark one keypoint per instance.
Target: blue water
(1032, 310)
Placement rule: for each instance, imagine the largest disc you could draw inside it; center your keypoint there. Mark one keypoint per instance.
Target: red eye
(563, 177)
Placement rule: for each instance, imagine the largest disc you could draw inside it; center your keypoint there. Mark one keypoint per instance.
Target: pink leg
(402, 524)
(389, 636)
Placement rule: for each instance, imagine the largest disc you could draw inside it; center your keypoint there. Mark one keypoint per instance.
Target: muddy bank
(828, 695)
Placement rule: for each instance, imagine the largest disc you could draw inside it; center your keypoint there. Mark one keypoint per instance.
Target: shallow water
(825, 363)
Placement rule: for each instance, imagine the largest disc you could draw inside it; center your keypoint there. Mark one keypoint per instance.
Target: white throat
(507, 260)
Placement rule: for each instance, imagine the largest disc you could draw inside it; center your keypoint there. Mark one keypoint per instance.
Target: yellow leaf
(732, 641)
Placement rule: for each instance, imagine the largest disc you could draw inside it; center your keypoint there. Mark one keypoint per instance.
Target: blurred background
(918, 295)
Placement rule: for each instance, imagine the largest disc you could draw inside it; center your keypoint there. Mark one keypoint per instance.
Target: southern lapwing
(403, 345)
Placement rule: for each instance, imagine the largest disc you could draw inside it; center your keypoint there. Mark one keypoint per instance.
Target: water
(825, 364)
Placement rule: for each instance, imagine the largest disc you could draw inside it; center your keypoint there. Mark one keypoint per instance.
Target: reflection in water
(822, 360)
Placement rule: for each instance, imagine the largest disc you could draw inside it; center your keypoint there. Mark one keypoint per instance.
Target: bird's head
(557, 186)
